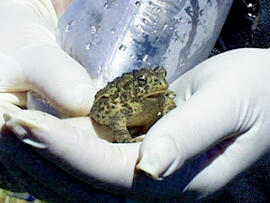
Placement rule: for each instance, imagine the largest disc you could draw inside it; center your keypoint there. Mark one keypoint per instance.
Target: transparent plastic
(110, 37)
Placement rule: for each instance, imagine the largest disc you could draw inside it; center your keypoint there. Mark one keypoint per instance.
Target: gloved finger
(12, 83)
(60, 79)
(16, 98)
(42, 178)
(6, 107)
(83, 123)
(11, 75)
(78, 148)
(86, 124)
(197, 125)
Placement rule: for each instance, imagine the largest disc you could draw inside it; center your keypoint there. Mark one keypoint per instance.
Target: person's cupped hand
(31, 60)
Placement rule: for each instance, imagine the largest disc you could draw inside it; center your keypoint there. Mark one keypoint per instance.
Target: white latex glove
(223, 117)
(218, 130)
(30, 59)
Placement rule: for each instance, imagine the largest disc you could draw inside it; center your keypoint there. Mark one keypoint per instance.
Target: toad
(133, 101)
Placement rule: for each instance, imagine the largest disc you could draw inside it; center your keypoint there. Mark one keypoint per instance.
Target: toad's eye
(142, 80)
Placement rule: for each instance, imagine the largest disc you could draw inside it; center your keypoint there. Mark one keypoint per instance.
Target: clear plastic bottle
(110, 37)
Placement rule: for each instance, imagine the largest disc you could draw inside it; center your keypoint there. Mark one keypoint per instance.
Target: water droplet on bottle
(140, 29)
(100, 69)
(106, 5)
(165, 26)
(150, 3)
(88, 46)
(137, 3)
(132, 56)
(113, 30)
(145, 58)
(158, 9)
(180, 20)
(145, 20)
(189, 11)
(93, 29)
(122, 47)
(181, 63)
(68, 26)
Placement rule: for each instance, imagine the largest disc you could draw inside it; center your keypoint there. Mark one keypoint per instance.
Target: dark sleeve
(247, 25)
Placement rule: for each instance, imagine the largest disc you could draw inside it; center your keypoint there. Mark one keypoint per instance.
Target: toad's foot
(122, 136)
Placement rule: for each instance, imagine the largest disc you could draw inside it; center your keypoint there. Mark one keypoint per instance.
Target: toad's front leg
(169, 103)
(119, 128)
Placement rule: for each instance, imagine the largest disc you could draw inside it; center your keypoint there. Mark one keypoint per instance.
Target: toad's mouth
(152, 94)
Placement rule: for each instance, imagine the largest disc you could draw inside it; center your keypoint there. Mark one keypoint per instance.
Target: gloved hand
(218, 130)
(33, 59)
(221, 126)
(30, 59)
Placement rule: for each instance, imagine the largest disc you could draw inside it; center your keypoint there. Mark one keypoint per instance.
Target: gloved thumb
(184, 133)
(54, 75)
